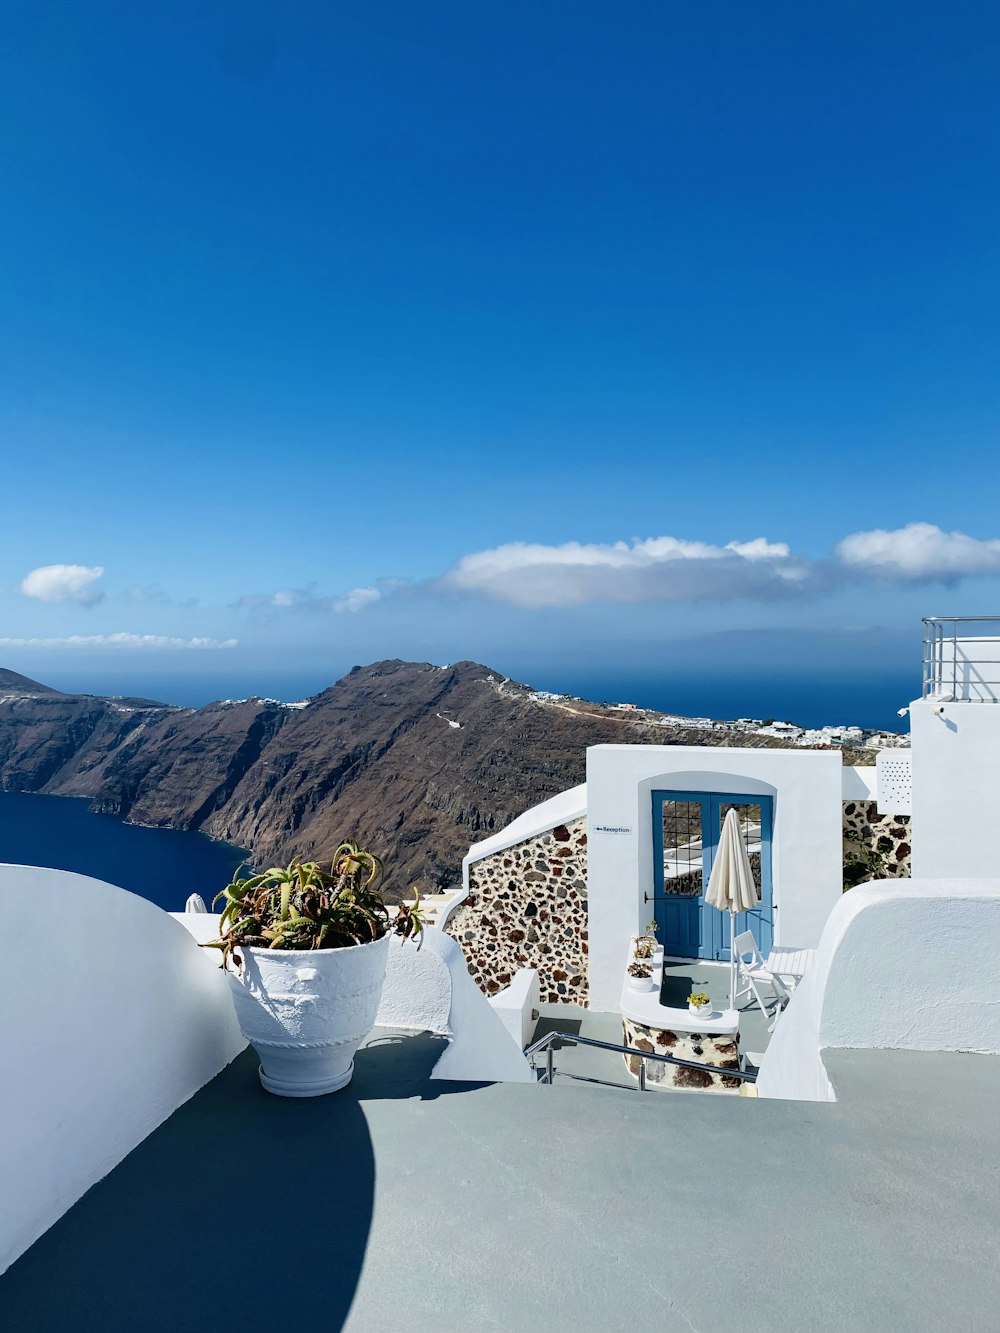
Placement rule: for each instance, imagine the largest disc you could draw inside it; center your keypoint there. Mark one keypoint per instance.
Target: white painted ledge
(643, 1007)
(203, 926)
(563, 808)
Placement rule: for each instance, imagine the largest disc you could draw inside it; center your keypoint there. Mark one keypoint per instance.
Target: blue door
(686, 830)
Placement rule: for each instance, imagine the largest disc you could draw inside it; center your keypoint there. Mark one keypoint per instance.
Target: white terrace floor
(405, 1205)
(679, 980)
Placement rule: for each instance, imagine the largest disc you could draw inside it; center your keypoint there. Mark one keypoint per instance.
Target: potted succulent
(304, 949)
(646, 946)
(699, 1003)
(640, 976)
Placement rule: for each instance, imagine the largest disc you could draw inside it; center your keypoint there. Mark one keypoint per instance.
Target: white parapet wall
(112, 1018)
(955, 784)
(902, 964)
(428, 989)
(517, 1006)
(807, 839)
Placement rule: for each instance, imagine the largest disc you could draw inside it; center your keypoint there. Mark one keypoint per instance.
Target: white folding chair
(751, 969)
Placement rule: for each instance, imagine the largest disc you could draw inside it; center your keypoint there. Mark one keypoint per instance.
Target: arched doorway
(686, 830)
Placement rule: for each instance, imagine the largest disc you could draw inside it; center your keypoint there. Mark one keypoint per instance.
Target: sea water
(163, 865)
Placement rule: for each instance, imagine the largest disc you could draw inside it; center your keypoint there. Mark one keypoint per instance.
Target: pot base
(305, 1088)
(306, 1011)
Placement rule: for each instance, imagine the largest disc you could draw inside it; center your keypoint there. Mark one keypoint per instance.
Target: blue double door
(686, 831)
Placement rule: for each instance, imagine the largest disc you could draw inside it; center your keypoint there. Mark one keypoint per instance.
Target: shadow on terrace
(240, 1209)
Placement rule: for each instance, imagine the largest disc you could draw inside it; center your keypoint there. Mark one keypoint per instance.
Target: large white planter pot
(306, 1011)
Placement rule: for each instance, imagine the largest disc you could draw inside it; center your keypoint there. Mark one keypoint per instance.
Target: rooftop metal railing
(545, 1044)
(961, 658)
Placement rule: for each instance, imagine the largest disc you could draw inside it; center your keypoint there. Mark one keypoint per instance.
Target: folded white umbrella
(731, 886)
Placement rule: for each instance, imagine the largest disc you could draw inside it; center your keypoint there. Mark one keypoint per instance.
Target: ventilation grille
(893, 770)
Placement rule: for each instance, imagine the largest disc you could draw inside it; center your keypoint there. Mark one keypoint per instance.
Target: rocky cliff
(417, 761)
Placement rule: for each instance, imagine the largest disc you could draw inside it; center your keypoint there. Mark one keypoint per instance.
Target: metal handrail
(944, 674)
(545, 1044)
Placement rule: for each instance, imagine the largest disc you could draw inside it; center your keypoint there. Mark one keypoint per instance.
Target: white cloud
(669, 570)
(119, 640)
(263, 600)
(356, 600)
(64, 583)
(919, 552)
(306, 600)
(664, 569)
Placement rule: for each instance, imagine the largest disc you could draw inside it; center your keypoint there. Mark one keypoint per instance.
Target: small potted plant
(642, 947)
(646, 946)
(699, 1003)
(304, 949)
(640, 976)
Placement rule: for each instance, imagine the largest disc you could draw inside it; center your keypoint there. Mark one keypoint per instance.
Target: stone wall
(527, 907)
(701, 1047)
(527, 904)
(875, 846)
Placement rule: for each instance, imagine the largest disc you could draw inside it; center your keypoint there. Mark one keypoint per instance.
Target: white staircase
(434, 906)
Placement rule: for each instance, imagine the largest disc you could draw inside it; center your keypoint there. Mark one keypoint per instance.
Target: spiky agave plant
(305, 906)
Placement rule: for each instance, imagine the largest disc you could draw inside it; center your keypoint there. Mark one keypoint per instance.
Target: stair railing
(546, 1044)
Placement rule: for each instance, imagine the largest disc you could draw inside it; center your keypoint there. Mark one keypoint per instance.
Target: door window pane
(682, 850)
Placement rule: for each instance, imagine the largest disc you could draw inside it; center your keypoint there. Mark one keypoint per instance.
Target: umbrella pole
(732, 960)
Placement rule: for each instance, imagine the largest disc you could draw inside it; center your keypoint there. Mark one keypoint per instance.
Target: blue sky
(541, 334)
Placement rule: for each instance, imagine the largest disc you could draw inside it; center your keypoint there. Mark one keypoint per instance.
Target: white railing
(962, 658)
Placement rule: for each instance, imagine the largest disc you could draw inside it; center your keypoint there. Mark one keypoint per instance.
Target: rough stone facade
(875, 846)
(527, 904)
(703, 1047)
(527, 907)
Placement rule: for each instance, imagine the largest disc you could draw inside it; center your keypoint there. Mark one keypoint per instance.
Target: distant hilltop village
(857, 738)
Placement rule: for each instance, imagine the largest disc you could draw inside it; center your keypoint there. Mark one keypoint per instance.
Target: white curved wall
(417, 991)
(112, 1017)
(428, 989)
(902, 964)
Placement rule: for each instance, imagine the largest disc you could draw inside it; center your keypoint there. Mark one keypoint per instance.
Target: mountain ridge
(418, 761)
(12, 682)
